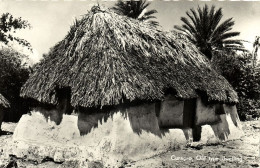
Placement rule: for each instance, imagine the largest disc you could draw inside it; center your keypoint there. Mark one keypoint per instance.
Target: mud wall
(156, 118)
(51, 114)
(89, 121)
(110, 141)
(141, 118)
(55, 113)
(206, 114)
(130, 133)
(171, 113)
(232, 110)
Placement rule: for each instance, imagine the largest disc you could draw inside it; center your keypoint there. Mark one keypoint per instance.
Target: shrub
(245, 79)
(13, 74)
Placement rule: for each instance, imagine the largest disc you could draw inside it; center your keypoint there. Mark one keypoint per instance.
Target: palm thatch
(107, 59)
(3, 102)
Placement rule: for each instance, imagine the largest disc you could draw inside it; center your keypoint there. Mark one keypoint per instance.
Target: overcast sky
(51, 20)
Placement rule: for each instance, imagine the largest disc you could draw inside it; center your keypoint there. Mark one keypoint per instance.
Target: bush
(13, 74)
(248, 107)
(245, 79)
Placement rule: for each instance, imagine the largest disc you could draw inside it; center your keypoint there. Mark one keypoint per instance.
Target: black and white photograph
(129, 83)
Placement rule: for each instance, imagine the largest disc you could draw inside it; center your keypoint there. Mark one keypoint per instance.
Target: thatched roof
(4, 102)
(106, 59)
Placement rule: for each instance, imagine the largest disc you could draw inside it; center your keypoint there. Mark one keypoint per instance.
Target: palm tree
(203, 28)
(136, 9)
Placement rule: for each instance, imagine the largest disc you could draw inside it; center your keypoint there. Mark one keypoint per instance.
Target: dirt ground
(244, 152)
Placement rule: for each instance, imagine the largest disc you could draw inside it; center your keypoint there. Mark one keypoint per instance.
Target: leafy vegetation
(13, 74)
(216, 41)
(13, 71)
(203, 28)
(136, 9)
(245, 79)
(9, 25)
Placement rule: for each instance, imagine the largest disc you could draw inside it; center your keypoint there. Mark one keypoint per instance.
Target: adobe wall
(114, 140)
(56, 113)
(87, 122)
(132, 133)
(171, 113)
(206, 114)
(232, 110)
(51, 114)
(229, 127)
(141, 118)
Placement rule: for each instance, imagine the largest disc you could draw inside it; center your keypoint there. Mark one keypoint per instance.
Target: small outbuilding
(120, 88)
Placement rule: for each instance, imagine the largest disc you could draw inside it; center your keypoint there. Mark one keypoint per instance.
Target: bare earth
(244, 153)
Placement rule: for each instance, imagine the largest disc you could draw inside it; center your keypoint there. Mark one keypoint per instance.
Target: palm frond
(150, 12)
(205, 30)
(135, 9)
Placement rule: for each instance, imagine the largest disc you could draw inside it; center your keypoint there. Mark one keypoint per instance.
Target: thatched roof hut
(3, 102)
(107, 59)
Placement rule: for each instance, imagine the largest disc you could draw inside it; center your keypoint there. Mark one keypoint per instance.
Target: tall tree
(9, 25)
(136, 9)
(13, 74)
(203, 28)
(13, 71)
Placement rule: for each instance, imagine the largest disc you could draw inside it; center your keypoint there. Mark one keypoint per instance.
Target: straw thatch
(3, 102)
(106, 59)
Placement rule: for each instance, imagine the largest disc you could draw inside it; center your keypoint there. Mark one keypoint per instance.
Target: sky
(51, 20)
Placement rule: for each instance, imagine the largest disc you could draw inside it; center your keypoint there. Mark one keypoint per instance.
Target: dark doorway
(189, 113)
(64, 96)
(189, 118)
